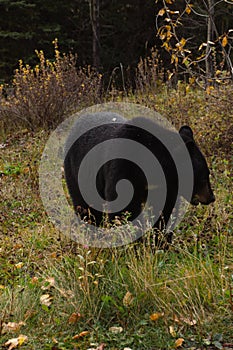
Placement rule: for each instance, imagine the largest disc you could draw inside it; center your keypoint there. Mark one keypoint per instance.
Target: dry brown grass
(42, 96)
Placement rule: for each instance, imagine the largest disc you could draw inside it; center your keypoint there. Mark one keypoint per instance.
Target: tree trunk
(94, 16)
(210, 43)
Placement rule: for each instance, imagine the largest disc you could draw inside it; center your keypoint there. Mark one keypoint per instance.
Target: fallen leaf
(189, 322)
(14, 342)
(26, 170)
(156, 316)
(17, 246)
(116, 330)
(49, 282)
(128, 299)
(176, 319)
(74, 317)
(19, 265)
(80, 335)
(34, 280)
(46, 300)
(100, 347)
(179, 342)
(12, 326)
(172, 331)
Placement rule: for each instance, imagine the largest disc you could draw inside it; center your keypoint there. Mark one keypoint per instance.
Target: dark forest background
(118, 34)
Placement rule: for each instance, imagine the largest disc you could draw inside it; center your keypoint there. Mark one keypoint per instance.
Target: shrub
(43, 95)
(148, 73)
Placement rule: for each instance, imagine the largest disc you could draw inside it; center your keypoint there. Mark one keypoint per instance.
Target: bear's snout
(204, 196)
(209, 200)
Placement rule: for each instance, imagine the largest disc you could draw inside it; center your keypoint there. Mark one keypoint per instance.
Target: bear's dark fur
(91, 131)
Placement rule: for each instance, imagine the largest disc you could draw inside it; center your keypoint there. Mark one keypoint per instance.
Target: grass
(153, 300)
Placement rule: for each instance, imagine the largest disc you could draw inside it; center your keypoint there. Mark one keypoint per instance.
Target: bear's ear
(185, 130)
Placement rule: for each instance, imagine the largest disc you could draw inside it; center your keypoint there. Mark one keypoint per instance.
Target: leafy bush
(43, 95)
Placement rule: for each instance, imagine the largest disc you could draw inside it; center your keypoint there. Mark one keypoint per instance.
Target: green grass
(190, 286)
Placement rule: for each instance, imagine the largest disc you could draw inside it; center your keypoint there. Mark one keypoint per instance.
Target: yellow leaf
(172, 331)
(167, 46)
(81, 335)
(224, 41)
(169, 1)
(175, 59)
(156, 316)
(188, 9)
(161, 12)
(208, 89)
(22, 339)
(168, 27)
(179, 342)
(19, 265)
(182, 42)
(192, 80)
(170, 76)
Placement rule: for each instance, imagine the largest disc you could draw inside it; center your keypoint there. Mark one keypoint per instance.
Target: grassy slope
(188, 288)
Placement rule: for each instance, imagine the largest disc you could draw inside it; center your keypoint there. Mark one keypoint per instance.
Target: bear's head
(202, 191)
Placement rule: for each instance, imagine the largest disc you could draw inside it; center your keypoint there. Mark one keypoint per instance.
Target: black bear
(114, 157)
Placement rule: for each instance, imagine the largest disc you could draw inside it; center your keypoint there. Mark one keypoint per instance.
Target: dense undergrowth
(63, 296)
